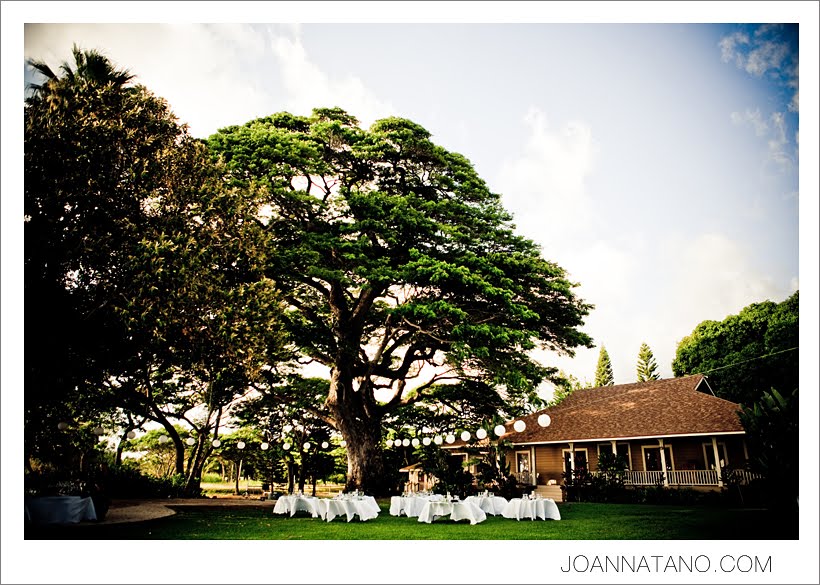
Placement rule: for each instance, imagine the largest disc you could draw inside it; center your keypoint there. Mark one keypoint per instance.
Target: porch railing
(524, 477)
(689, 477)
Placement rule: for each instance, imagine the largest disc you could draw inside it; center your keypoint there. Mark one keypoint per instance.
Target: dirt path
(140, 510)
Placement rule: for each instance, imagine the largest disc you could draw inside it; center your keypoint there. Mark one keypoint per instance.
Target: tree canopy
(647, 366)
(603, 371)
(746, 354)
(392, 254)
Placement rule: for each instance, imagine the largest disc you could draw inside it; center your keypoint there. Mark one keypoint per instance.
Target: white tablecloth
(456, 511)
(410, 506)
(493, 505)
(60, 510)
(365, 507)
(540, 508)
(292, 504)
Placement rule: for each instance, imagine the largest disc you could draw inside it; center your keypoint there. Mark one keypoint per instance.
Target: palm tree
(90, 68)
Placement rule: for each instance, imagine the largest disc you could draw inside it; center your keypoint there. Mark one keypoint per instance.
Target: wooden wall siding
(549, 463)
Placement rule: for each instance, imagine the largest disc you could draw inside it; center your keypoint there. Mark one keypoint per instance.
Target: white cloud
(309, 87)
(774, 130)
(545, 184)
(197, 68)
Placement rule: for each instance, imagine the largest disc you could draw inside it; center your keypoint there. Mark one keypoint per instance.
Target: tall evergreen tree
(603, 373)
(647, 367)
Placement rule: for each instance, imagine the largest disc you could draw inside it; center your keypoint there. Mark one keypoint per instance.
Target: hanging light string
(760, 357)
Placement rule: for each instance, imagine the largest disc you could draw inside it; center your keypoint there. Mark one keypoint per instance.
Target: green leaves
(384, 239)
(745, 354)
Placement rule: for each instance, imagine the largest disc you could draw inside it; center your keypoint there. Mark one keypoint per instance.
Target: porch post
(663, 463)
(745, 451)
(717, 461)
(532, 469)
(571, 457)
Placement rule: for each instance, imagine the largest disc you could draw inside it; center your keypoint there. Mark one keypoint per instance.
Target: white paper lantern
(465, 436)
(286, 446)
(62, 425)
(342, 443)
(397, 443)
(450, 439)
(264, 446)
(240, 445)
(132, 434)
(426, 441)
(406, 442)
(544, 420)
(325, 445)
(287, 428)
(306, 446)
(519, 426)
(98, 431)
(438, 440)
(216, 443)
(415, 442)
(499, 430)
(481, 434)
(163, 439)
(190, 440)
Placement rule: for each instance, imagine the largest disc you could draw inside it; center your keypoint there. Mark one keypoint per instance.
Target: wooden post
(717, 461)
(663, 463)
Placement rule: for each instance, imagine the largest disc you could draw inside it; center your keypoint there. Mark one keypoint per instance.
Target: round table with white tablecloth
(411, 506)
(296, 503)
(365, 507)
(532, 508)
(493, 505)
(59, 510)
(455, 510)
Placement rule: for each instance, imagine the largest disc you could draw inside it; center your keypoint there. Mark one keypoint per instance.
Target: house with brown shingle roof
(671, 432)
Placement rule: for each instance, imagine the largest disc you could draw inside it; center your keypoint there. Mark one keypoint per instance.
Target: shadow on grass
(580, 521)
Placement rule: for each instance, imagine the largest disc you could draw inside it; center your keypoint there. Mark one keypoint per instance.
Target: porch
(682, 478)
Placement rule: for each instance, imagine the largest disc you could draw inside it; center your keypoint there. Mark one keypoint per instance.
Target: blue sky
(657, 163)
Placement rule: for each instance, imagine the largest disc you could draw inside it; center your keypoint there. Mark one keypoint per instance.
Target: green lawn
(579, 522)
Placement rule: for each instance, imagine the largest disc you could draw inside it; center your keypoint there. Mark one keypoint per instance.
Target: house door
(652, 458)
(522, 466)
(580, 459)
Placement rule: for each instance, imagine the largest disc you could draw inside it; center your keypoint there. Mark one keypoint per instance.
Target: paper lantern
(325, 445)
(264, 446)
(397, 443)
(415, 442)
(240, 445)
(216, 443)
(426, 441)
(286, 446)
(132, 434)
(163, 439)
(98, 431)
(190, 440)
(481, 434)
(287, 428)
(438, 440)
(306, 446)
(342, 443)
(450, 439)
(465, 436)
(499, 430)
(544, 420)
(62, 426)
(519, 426)
(406, 442)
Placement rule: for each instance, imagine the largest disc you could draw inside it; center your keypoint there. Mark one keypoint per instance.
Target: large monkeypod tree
(400, 269)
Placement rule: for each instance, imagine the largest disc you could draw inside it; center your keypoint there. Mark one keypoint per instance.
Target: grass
(580, 521)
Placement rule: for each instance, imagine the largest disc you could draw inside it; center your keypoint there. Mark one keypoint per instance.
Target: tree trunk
(290, 476)
(238, 469)
(361, 429)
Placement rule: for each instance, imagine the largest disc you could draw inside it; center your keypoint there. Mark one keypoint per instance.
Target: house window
(709, 455)
(522, 462)
(622, 450)
(652, 458)
(580, 459)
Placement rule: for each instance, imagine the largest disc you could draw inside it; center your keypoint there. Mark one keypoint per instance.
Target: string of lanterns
(518, 426)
